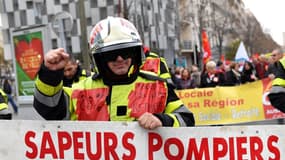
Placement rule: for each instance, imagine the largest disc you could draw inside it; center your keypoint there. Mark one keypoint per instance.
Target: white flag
(241, 54)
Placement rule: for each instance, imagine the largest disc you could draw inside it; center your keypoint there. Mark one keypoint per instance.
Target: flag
(241, 54)
(206, 47)
(255, 56)
(222, 58)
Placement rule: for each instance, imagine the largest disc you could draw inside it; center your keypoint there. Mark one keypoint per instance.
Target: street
(25, 112)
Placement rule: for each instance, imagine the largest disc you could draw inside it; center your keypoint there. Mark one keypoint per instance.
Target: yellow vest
(4, 105)
(92, 94)
(280, 81)
(90, 99)
(153, 64)
(84, 74)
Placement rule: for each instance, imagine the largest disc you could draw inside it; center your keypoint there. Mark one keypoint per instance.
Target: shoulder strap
(150, 76)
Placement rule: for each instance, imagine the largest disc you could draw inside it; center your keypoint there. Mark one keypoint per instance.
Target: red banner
(207, 48)
(269, 111)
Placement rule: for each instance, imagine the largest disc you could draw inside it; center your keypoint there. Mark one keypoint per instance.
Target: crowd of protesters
(218, 73)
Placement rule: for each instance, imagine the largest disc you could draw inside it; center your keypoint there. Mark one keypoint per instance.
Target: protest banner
(127, 140)
(230, 105)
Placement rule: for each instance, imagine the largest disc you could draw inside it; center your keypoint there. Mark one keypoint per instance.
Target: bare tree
(222, 21)
(200, 19)
(256, 40)
(203, 17)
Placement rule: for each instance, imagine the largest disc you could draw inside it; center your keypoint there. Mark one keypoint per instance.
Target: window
(54, 43)
(93, 4)
(103, 13)
(56, 2)
(11, 20)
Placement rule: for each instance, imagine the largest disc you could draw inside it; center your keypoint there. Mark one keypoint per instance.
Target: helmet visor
(125, 53)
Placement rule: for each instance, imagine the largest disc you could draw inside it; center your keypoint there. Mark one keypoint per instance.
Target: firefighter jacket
(91, 99)
(156, 64)
(4, 111)
(79, 75)
(277, 92)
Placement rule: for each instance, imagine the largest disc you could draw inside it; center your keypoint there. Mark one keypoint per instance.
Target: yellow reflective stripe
(73, 116)
(84, 72)
(47, 89)
(4, 95)
(172, 106)
(165, 75)
(279, 82)
(175, 123)
(163, 61)
(3, 106)
(148, 72)
(67, 90)
(153, 54)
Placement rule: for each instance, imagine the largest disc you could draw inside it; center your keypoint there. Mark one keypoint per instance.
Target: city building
(155, 19)
(171, 28)
(225, 22)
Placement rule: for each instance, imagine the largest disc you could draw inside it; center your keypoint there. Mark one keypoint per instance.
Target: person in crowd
(186, 82)
(177, 75)
(73, 72)
(196, 75)
(220, 67)
(275, 56)
(227, 67)
(210, 77)
(119, 92)
(260, 65)
(248, 73)
(4, 111)
(233, 76)
(277, 91)
(7, 88)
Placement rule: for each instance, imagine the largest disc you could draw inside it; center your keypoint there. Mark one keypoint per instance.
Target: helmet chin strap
(131, 70)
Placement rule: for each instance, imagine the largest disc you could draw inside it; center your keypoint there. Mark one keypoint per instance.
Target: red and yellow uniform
(121, 91)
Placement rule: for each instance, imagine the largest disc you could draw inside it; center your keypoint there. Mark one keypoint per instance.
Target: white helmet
(113, 33)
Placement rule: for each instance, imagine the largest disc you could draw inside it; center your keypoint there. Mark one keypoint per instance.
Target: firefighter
(119, 92)
(277, 92)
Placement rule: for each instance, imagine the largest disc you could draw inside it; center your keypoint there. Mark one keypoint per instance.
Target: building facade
(225, 21)
(155, 19)
(171, 28)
